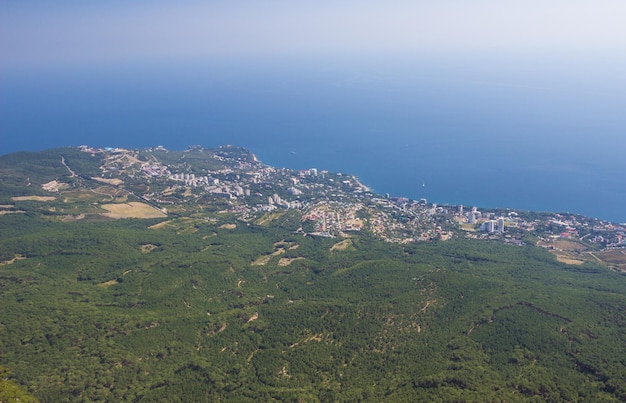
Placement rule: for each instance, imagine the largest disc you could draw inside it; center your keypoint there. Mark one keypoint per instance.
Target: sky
(37, 34)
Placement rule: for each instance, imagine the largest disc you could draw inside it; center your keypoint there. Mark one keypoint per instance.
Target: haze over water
(533, 125)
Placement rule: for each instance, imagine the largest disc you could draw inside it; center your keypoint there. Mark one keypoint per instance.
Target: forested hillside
(143, 310)
(106, 295)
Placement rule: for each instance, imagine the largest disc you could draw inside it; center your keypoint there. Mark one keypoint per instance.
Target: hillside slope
(205, 305)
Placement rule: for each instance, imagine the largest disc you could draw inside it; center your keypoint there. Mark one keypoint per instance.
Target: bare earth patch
(316, 337)
(263, 260)
(108, 284)
(147, 248)
(228, 226)
(343, 245)
(131, 210)
(34, 198)
(253, 317)
(3, 212)
(220, 330)
(285, 244)
(567, 260)
(468, 227)
(72, 218)
(613, 257)
(161, 224)
(86, 195)
(54, 186)
(267, 218)
(569, 246)
(179, 224)
(15, 259)
(113, 181)
(286, 261)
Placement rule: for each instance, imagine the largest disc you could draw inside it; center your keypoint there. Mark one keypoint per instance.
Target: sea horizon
(515, 139)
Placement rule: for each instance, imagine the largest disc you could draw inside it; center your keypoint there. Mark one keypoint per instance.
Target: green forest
(205, 303)
(191, 309)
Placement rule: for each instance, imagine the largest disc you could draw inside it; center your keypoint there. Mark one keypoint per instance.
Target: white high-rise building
(471, 217)
(500, 224)
(488, 226)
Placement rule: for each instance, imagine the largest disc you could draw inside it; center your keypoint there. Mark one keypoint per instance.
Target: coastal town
(331, 204)
(230, 182)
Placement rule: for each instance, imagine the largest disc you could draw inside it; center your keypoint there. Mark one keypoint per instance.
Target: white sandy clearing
(55, 186)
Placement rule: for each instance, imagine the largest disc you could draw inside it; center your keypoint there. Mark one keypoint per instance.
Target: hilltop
(206, 275)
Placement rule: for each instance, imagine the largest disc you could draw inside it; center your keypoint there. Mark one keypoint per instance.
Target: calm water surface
(485, 136)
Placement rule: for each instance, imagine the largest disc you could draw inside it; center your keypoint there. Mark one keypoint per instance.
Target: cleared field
(162, 225)
(131, 210)
(569, 260)
(77, 196)
(109, 191)
(569, 246)
(34, 198)
(268, 218)
(179, 224)
(614, 258)
(113, 181)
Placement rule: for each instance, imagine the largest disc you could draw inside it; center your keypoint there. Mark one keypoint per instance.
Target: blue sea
(546, 134)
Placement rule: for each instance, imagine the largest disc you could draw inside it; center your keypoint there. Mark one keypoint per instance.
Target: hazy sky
(34, 33)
